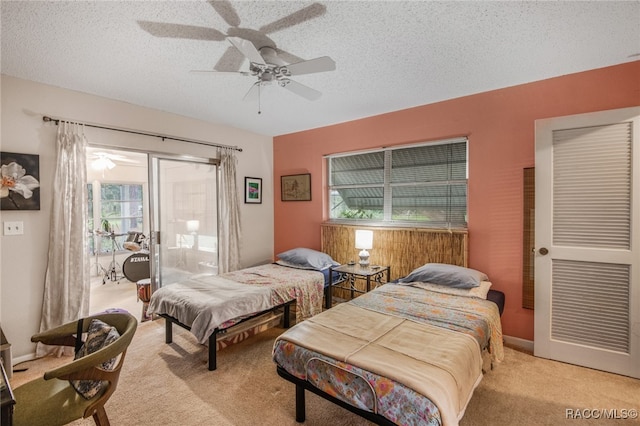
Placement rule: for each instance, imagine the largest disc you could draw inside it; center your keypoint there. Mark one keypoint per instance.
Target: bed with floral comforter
(400, 354)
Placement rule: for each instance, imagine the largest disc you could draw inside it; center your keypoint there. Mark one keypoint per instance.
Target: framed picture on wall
(20, 185)
(296, 187)
(252, 190)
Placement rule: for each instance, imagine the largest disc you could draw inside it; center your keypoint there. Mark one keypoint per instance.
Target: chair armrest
(108, 352)
(80, 365)
(63, 335)
(90, 373)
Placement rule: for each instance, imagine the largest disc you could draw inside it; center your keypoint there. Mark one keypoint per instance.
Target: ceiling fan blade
(288, 57)
(219, 72)
(231, 60)
(126, 160)
(321, 64)
(300, 89)
(112, 157)
(247, 49)
(161, 29)
(305, 14)
(226, 11)
(253, 93)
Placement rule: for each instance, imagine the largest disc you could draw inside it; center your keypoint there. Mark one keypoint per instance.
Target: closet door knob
(543, 251)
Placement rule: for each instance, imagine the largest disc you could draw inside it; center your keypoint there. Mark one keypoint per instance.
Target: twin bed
(408, 352)
(211, 306)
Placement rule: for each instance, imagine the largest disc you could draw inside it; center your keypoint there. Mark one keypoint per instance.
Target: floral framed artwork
(20, 186)
(252, 190)
(296, 187)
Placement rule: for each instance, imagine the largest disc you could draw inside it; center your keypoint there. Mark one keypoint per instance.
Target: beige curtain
(229, 215)
(66, 288)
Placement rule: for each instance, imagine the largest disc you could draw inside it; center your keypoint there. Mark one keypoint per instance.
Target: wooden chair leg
(100, 417)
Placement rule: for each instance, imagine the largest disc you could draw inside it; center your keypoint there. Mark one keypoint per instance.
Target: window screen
(424, 185)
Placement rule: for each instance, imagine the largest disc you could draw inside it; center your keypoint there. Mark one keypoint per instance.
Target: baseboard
(518, 343)
(23, 358)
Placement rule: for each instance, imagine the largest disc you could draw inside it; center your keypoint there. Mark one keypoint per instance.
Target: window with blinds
(419, 185)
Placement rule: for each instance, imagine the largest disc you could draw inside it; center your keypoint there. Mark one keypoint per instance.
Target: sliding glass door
(184, 219)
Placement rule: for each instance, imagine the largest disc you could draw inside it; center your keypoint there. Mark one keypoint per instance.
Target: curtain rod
(137, 132)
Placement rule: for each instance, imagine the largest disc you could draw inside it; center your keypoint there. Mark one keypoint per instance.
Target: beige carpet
(170, 385)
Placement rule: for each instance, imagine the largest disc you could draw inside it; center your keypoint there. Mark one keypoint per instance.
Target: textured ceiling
(389, 55)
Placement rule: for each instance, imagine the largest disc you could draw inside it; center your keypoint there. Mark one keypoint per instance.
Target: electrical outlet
(13, 228)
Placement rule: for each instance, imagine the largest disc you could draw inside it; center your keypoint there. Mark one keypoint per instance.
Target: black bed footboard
(169, 321)
(302, 385)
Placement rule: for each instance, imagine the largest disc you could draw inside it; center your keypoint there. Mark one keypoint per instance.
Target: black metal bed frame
(495, 296)
(169, 321)
(302, 385)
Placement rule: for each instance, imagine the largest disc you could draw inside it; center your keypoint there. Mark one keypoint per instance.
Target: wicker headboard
(404, 249)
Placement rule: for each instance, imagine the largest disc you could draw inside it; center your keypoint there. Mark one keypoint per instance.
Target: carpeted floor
(170, 385)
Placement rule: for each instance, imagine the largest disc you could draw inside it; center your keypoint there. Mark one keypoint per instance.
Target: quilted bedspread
(479, 318)
(207, 302)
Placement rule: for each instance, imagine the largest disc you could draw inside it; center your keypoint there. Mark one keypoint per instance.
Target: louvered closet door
(587, 240)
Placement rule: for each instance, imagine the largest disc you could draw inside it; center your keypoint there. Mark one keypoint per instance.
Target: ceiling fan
(101, 160)
(232, 59)
(269, 69)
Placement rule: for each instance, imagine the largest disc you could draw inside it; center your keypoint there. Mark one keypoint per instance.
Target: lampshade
(193, 225)
(364, 239)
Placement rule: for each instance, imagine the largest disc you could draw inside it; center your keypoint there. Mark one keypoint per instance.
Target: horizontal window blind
(420, 184)
(592, 186)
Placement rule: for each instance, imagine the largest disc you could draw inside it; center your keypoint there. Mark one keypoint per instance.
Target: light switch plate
(13, 228)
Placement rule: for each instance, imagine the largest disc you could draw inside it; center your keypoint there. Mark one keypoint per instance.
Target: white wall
(23, 258)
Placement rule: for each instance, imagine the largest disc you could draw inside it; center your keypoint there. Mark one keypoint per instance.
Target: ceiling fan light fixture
(102, 163)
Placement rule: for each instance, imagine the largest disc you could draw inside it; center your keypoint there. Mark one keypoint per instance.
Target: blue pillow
(308, 258)
(443, 274)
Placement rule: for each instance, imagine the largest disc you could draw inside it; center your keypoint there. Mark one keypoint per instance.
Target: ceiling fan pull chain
(259, 99)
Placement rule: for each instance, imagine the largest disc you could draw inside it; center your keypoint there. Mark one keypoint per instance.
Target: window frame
(95, 213)
(387, 187)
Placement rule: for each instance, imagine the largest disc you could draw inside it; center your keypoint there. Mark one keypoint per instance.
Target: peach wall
(500, 127)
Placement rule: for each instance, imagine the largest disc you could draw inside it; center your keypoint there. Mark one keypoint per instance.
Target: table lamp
(192, 227)
(364, 241)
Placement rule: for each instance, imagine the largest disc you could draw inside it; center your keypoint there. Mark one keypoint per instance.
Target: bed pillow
(99, 335)
(304, 257)
(443, 274)
(294, 265)
(479, 292)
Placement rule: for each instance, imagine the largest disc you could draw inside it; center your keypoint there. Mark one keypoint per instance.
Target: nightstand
(376, 274)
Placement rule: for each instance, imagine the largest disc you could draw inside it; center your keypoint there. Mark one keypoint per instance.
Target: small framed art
(296, 187)
(252, 190)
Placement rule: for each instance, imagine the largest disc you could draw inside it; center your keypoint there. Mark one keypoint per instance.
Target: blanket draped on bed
(202, 302)
(207, 302)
